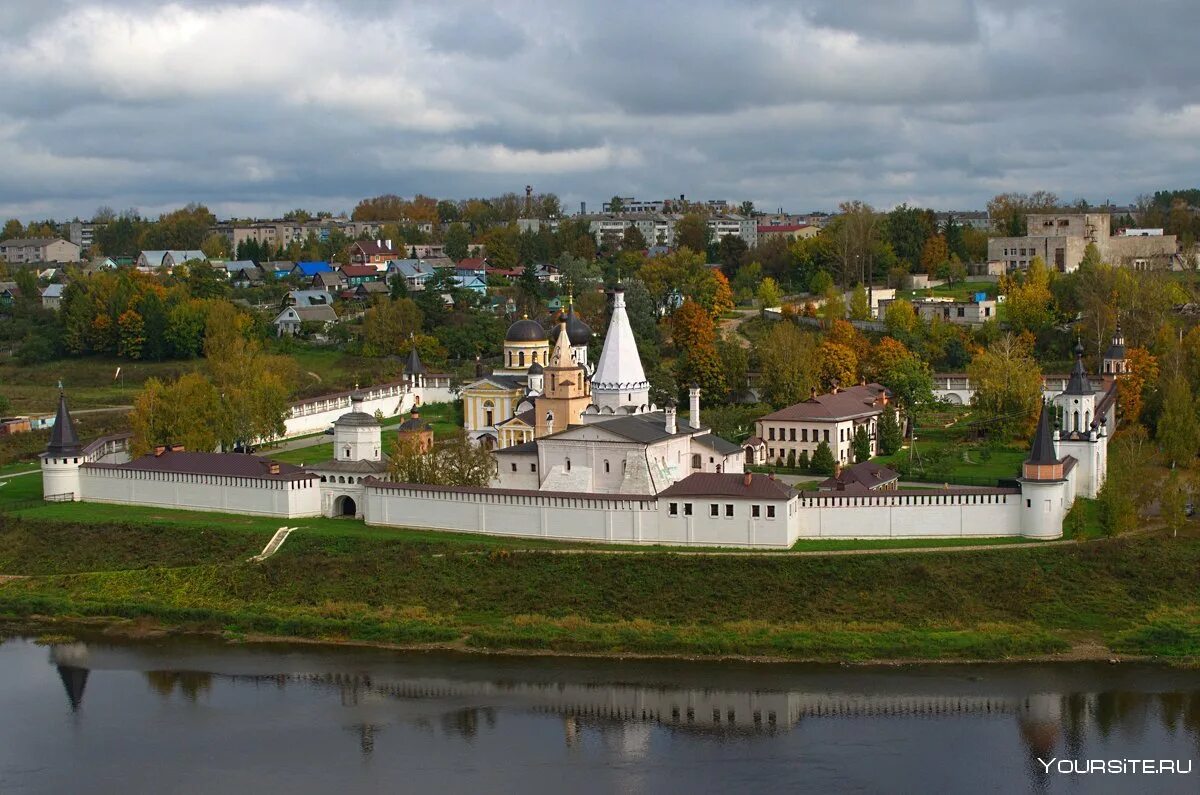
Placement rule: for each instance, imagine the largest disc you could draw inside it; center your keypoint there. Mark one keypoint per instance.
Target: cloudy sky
(255, 108)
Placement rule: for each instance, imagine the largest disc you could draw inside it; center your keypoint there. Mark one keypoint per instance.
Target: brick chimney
(747, 479)
(273, 468)
(177, 448)
(883, 398)
(159, 450)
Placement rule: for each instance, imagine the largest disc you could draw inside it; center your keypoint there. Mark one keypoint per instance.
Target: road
(729, 326)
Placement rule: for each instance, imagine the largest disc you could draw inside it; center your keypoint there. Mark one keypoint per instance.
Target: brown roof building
(832, 418)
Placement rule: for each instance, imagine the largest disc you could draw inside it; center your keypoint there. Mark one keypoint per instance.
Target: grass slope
(1138, 595)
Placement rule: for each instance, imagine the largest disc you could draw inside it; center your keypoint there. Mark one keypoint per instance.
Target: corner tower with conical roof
(1077, 403)
(619, 385)
(1114, 363)
(1045, 488)
(63, 457)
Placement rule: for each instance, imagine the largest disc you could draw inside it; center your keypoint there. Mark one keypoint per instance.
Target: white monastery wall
(392, 400)
(912, 515)
(254, 496)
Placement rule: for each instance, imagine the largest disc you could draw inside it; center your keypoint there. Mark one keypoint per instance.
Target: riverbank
(1135, 596)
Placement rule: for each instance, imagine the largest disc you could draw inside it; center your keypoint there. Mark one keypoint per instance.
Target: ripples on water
(186, 717)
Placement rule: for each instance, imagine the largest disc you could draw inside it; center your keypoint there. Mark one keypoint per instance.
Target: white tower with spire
(619, 385)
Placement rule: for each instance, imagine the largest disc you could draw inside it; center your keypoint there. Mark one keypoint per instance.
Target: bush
(36, 350)
(802, 462)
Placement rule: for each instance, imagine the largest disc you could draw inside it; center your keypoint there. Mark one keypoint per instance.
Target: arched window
(568, 465)
(696, 461)
(521, 358)
(489, 413)
(347, 452)
(606, 465)
(534, 357)
(1076, 422)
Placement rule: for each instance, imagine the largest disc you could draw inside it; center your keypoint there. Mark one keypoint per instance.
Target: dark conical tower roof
(1043, 441)
(413, 364)
(63, 440)
(74, 681)
(1078, 383)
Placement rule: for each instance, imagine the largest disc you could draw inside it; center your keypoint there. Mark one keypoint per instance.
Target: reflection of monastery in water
(1048, 722)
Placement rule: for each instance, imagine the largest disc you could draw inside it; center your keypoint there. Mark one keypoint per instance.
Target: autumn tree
(183, 412)
(457, 241)
(694, 335)
(1008, 387)
(900, 318)
(1029, 299)
(1131, 388)
(456, 461)
(131, 335)
(388, 325)
(787, 360)
(934, 253)
(838, 365)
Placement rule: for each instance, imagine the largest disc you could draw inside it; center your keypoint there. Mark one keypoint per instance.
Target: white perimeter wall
(907, 515)
(316, 415)
(600, 519)
(202, 492)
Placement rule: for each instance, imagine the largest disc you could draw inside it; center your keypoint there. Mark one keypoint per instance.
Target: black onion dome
(525, 330)
(578, 332)
(536, 369)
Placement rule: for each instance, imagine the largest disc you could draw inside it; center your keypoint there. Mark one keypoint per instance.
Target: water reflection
(631, 713)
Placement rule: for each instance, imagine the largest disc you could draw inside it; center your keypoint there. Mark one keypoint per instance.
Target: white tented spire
(619, 382)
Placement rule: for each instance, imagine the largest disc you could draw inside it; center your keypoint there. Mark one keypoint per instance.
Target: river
(182, 716)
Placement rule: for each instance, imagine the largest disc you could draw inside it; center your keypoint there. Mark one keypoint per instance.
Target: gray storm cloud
(259, 107)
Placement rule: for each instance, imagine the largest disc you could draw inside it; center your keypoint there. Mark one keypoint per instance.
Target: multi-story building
(742, 226)
(974, 312)
(38, 249)
(1060, 239)
(279, 233)
(656, 228)
(81, 233)
(832, 418)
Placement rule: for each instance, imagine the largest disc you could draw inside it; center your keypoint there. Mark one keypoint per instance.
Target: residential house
(415, 273)
(247, 277)
(233, 266)
(832, 418)
(288, 322)
(308, 298)
(331, 281)
(38, 249)
(307, 270)
(173, 258)
(52, 296)
(280, 269)
(9, 293)
(365, 290)
(472, 266)
(354, 275)
(473, 283)
(377, 253)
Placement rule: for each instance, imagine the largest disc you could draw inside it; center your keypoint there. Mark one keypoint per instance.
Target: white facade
(314, 415)
(619, 384)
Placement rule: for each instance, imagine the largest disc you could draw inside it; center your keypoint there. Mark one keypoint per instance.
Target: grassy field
(949, 453)
(33, 389)
(1133, 595)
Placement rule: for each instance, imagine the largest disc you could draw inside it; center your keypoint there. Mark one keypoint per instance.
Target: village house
(414, 272)
(832, 418)
(376, 253)
(52, 296)
(861, 478)
(290, 321)
(354, 275)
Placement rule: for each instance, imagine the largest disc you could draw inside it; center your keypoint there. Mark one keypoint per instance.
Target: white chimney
(694, 406)
(378, 243)
(670, 412)
(389, 244)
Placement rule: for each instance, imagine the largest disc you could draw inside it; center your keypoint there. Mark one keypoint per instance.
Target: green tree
(861, 444)
(1173, 503)
(12, 228)
(1029, 299)
(616, 205)
(216, 246)
(692, 232)
(891, 435)
(769, 293)
(389, 326)
(788, 362)
(633, 239)
(185, 412)
(822, 460)
(131, 336)
(457, 241)
(860, 305)
(456, 461)
(1008, 387)
(1178, 431)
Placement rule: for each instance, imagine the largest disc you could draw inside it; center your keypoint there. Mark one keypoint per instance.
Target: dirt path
(729, 326)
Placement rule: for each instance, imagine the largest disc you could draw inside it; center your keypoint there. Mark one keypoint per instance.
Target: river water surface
(176, 716)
